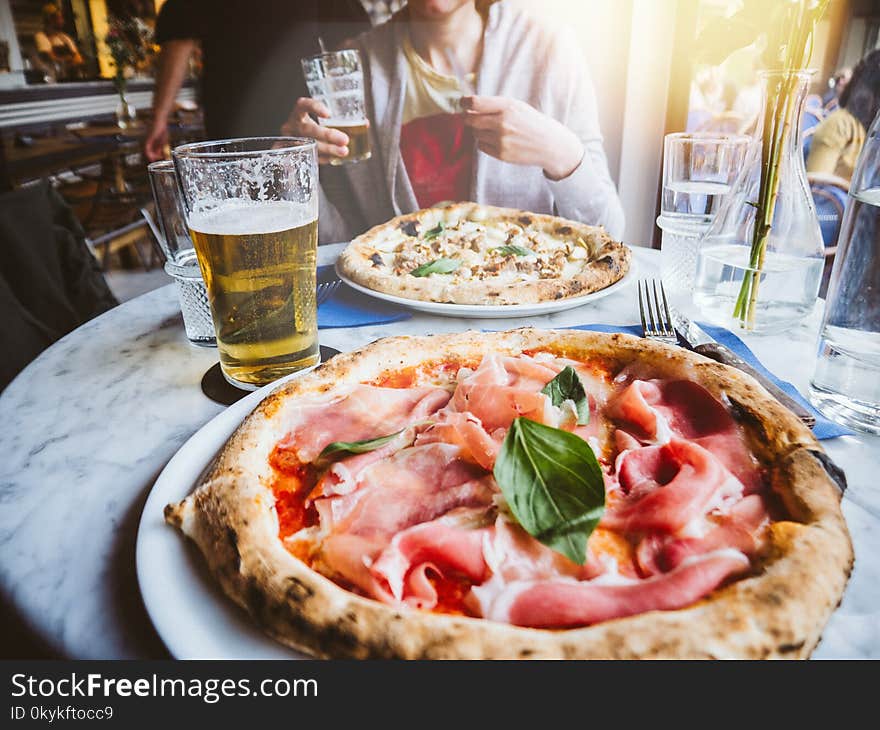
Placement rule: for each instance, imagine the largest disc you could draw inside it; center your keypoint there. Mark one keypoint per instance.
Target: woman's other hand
(331, 142)
(513, 131)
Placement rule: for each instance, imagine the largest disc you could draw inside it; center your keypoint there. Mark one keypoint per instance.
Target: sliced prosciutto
(501, 389)
(739, 528)
(653, 411)
(564, 604)
(420, 523)
(366, 412)
(668, 487)
(466, 431)
(414, 486)
(452, 544)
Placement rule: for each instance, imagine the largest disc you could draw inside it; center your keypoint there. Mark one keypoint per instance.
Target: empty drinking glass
(181, 263)
(846, 382)
(698, 171)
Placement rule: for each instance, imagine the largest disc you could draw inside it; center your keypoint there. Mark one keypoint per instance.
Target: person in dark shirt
(251, 59)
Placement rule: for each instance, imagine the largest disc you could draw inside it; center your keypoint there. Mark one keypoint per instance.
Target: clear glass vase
(760, 263)
(126, 114)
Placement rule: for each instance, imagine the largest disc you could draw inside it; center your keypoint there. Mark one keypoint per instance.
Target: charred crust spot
(298, 590)
(834, 472)
(788, 648)
(563, 230)
(410, 228)
(377, 260)
(608, 262)
(254, 596)
(526, 652)
(745, 416)
(524, 220)
(559, 295)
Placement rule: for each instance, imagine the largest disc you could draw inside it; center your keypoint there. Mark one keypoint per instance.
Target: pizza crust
(608, 260)
(778, 613)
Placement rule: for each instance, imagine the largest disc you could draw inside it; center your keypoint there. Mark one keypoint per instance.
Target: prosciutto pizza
(466, 253)
(525, 494)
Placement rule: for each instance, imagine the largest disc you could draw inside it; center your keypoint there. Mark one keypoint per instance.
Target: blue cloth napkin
(824, 428)
(348, 308)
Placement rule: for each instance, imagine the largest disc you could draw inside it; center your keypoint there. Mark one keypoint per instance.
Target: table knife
(698, 340)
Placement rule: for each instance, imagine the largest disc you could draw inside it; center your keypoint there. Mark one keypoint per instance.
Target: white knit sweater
(523, 58)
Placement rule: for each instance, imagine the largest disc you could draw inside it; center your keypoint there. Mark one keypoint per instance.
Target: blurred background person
(56, 49)
(839, 137)
(836, 84)
(250, 59)
(470, 101)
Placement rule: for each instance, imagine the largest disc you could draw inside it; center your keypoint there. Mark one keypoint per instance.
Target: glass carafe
(736, 286)
(846, 381)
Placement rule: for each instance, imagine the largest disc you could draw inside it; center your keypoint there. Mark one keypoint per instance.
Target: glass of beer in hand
(336, 79)
(252, 211)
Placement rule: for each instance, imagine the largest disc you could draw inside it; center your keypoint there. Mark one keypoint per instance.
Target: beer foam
(343, 122)
(251, 217)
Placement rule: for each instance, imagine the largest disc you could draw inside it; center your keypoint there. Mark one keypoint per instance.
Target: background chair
(50, 283)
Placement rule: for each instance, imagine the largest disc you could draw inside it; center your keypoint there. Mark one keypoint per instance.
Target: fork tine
(649, 305)
(670, 329)
(661, 322)
(642, 310)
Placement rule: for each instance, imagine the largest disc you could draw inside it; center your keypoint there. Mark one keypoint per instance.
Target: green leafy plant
(553, 485)
(513, 250)
(438, 266)
(341, 449)
(786, 29)
(434, 232)
(567, 386)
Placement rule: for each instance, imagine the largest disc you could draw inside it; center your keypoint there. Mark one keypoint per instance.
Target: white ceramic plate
(192, 615)
(497, 311)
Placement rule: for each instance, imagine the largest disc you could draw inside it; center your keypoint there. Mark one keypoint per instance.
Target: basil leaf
(438, 266)
(432, 233)
(513, 250)
(339, 449)
(553, 485)
(567, 386)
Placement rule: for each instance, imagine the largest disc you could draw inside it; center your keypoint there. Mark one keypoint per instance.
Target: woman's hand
(516, 132)
(331, 142)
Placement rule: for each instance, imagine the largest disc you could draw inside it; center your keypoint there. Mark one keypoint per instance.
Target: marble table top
(90, 424)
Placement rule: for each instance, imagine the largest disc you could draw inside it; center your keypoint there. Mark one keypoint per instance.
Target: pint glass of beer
(252, 211)
(337, 80)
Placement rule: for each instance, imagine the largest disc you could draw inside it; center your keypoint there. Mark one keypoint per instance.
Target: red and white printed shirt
(436, 147)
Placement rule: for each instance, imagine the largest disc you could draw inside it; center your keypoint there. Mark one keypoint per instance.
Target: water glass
(698, 171)
(846, 382)
(181, 263)
(251, 207)
(337, 80)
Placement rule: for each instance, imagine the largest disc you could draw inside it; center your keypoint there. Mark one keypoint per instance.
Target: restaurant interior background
(647, 83)
(67, 128)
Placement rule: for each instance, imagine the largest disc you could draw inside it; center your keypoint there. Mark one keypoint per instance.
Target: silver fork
(658, 323)
(325, 290)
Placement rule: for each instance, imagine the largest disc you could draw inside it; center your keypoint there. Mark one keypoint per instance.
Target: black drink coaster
(220, 390)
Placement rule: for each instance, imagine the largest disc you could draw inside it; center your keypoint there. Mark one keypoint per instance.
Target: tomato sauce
(451, 593)
(424, 372)
(292, 484)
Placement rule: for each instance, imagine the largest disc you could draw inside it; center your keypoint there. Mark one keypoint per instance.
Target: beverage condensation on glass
(252, 211)
(337, 80)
